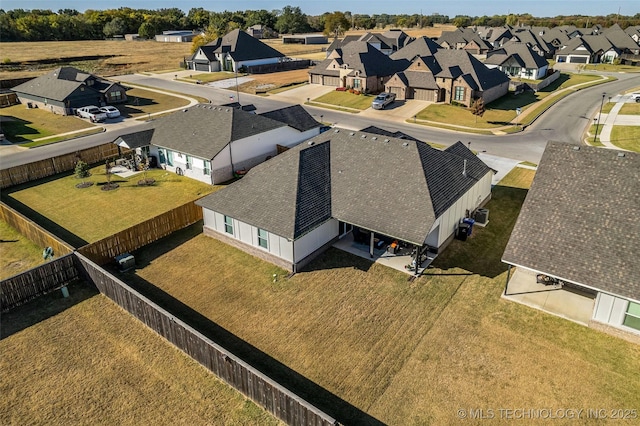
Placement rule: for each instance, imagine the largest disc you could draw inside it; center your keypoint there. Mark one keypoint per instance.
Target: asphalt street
(566, 121)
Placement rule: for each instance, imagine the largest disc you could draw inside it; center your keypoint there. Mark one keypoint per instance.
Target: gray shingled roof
(241, 46)
(136, 139)
(294, 116)
(459, 62)
(56, 84)
(362, 57)
(521, 52)
(204, 130)
(422, 46)
(581, 219)
(393, 186)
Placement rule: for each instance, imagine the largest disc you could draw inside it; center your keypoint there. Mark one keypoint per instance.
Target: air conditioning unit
(481, 216)
(125, 262)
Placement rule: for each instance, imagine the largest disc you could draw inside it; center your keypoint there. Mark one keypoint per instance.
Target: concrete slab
(554, 299)
(398, 111)
(500, 164)
(229, 82)
(299, 95)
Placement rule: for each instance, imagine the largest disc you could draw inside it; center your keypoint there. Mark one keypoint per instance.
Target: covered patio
(399, 256)
(564, 301)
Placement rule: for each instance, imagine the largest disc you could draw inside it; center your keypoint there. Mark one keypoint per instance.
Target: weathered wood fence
(33, 231)
(52, 166)
(38, 281)
(103, 251)
(273, 397)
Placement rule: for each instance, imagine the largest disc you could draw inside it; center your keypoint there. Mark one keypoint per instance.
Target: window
(632, 317)
(263, 240)
(170, 158)
(459, 93)
(228, 225)
(188, 160)
(116, 95)
(356, 83)
(207, 169)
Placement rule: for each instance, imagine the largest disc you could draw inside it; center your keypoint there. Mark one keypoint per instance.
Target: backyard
(17, 253)
(400, 351)
(95, 364)
(90, 214)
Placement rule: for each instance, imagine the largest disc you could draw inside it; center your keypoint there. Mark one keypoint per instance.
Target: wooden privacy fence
(103, 251)
(34, 232)
(273, 397)
(52, 166)
(35, 282)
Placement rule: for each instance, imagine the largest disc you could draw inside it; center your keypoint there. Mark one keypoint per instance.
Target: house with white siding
(213, 143)
(579, 229)
(291, 208)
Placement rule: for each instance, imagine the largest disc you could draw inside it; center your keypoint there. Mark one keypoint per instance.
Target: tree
(291, 20)
(82, 172)
(147, 30)
(116, 26)
(336, 23)
(477, 108)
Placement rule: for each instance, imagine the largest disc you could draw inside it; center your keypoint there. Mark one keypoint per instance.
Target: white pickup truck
(91, 112)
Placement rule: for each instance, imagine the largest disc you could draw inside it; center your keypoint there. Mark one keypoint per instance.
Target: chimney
(464, 168)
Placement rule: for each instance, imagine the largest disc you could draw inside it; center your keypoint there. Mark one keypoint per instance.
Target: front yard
(83, 360)
(400, 351)
(20, 124)
(344, 99)
(90, 214)
(626, 137)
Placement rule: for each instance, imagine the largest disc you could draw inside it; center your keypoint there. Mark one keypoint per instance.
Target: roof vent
(576, 148)
(464, 168)
(620, 154)
(336, 131)
(351, 134)
(363, 136)
(310, 143)
(386, 141)
(374, 138)
(405, 144)
(185, 110)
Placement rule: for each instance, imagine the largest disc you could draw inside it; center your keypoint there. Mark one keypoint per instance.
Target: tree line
(69, 24)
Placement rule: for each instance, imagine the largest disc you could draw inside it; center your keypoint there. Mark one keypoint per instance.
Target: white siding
(209, 218)
(315, 239)
(245, 233)
(611, 310)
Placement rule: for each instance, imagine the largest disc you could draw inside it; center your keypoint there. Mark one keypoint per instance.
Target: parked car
(635, 97)
(91, 112)
(112, 112)
(382, 100)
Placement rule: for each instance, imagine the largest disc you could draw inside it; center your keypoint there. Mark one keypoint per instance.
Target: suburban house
(579, 51)
(231, 52)
(212, 144)
(177, 36)
(621, 40)
(291, 208)
(66, 88)
(449, 76)
(261, 31)
(357, 64)
(634, 33)
(518, 60)
(464, 39)
(579, 228)
(534, 37)
(496, 36)
(387, 42)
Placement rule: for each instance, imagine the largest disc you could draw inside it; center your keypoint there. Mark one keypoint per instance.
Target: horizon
(538, 9)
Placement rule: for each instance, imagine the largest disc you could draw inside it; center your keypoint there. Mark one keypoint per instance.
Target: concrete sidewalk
(614, 118)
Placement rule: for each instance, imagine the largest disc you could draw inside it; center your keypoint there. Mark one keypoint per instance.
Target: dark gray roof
(620, 39)
(520, 52)
(135, 140)
(359, 56)
(204, 130)
(458, 62)
(294, 116)
(241, 46)
(357, 177)
(383, 132)
(422, 46)
(58, 84)
(581, 219)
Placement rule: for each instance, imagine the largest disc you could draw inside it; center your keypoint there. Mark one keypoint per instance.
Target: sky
(539, 8)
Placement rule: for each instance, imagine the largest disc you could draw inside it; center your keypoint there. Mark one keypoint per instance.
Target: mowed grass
(518, 177)
(20, 124)
(17, 253)
(630, 109)
(92, 214)
(346, 100)
(84, 360)
(626, 137)
(141, 102)
(404, 352)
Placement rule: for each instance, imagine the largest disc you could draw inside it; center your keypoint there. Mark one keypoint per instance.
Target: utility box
(125, 262)
(482, 216)
(463, 231)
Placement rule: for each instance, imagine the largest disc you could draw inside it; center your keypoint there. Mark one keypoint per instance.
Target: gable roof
(422, 46)
(521, 52)
(135, 140)
(455, 63)
(580, 221)
(60, 83)
(356, 177)
(358, 56)
(204, 130)
(294, 116)
(241, 46)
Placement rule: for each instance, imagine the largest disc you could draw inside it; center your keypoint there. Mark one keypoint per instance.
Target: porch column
(506, 285)
(371, 246)
(415, 272)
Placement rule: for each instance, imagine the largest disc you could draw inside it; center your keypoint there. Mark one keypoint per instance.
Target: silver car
(382, 100)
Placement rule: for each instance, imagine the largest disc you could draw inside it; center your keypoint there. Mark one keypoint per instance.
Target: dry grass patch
(346, 100)
(20, 124)
(630, 109)
(92, 214)
(120, 57)
(17, 253)
(276, 80)
(294, 49)
(518, 177)
(95, 364)
(404, 352)
(141, 102)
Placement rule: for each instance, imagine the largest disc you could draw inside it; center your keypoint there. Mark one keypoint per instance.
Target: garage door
(202, 67)
(423, 95)
(316, 79)
(577, 59)
(331, 81)
(396, 90)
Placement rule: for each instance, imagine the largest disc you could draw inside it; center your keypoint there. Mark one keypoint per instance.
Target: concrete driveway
(398, 111)
(299, 95)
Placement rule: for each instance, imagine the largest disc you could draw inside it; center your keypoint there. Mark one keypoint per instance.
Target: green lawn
(141, 102)
(403, 352)
(17, 253)
(607, 107)
(83, 360)
(518, 177)
(630, 109)
(20, 124)
(91, 214)
(626, 137)
(346, 99)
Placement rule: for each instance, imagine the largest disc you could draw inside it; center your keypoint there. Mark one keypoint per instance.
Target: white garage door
(316, 79)
(331, 81)
(423, 95)
(396, 90)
